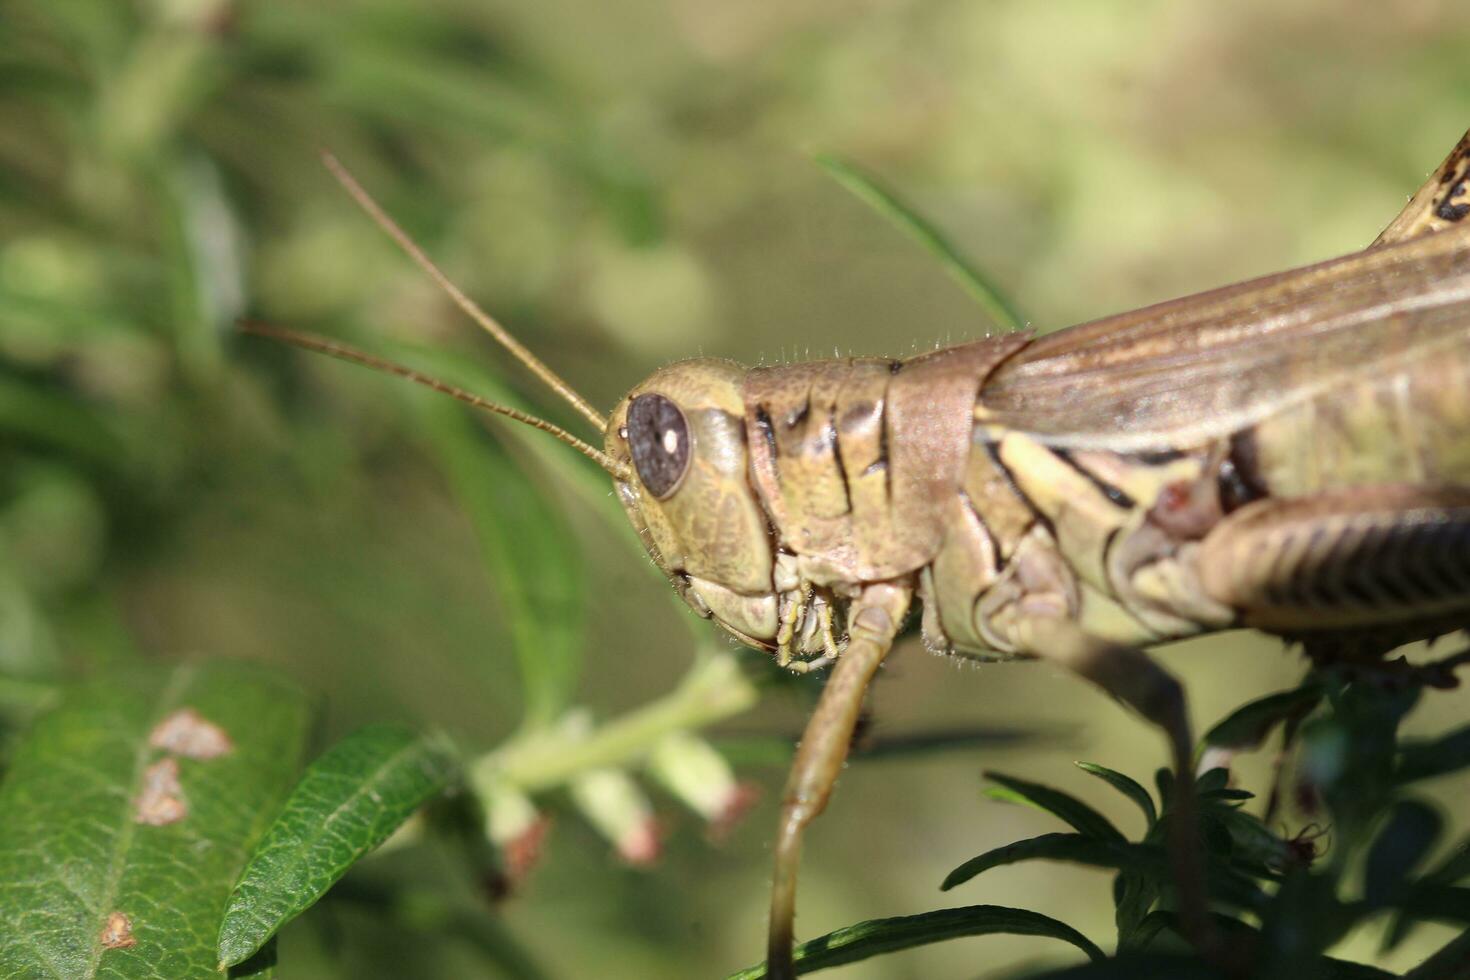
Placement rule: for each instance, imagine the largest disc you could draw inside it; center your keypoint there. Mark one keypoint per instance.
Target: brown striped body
(1290, 454)
(1086, 470)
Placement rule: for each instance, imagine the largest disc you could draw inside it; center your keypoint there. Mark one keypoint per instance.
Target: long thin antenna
(486, 321)
(343, 352)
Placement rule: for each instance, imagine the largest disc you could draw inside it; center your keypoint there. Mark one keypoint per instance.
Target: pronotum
(1289, 454)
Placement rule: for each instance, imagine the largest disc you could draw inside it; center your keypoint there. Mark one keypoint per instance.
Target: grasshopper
(1289, 454)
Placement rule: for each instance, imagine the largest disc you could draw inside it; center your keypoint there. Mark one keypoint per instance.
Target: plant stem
(713, 690)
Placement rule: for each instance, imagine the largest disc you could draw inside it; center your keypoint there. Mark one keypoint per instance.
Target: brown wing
(1184, 371)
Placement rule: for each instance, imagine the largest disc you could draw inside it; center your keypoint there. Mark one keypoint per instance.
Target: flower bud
(614, 804)
(514, 826)
(692, 770)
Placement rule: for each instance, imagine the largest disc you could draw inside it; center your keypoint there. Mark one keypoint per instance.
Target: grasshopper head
(680, 437)
(675, 448)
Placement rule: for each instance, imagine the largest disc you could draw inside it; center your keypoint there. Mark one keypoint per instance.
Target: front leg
(873, 622)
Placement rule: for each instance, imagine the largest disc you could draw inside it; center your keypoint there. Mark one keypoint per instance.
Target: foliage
(1280, 902)
(169, 487)
(118, 846)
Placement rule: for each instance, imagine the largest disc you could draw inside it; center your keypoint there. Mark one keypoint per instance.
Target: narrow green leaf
(346, 804)
(1213, 781)
(1145, 859)
(1454, 868)
(1129, 787)
(877, 936)
(1407, 835)
(1247, 726)
(1436, 757)
(1253, 844)
(872, 192)
(1083, 818)
(528, 550)
(1164, 782)
(116, 855)
(1148, 860)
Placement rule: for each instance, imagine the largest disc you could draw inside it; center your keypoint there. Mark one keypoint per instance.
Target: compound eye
(658, 438)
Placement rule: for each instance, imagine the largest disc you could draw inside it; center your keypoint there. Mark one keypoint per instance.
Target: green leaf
(1436, 757)
(1247, 726)
(1454, 868)
(872, 192)
(871, 938)
(1252, 843)
(1213, 781)
(1148, 860)
(528, 550)
(1406, 837)
(1083, 818)
(346, 804)
(1129, 787)
(1145, 859)
(75, 858)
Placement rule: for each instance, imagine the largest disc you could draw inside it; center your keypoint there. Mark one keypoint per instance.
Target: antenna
(343, 352)
(486, 321)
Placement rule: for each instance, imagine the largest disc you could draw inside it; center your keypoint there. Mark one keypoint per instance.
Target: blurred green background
(626, 184)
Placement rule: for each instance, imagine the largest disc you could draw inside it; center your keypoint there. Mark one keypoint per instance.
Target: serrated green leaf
(871, 191)
(1435, 757)
(74, 854)
(1082, 818)
(877, 936)
(1129, 787)
(1247, 726)
(346, 804)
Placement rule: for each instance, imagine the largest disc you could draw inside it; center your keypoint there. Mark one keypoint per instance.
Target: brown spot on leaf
(161, 802)
(118, 932)
(188, 733)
